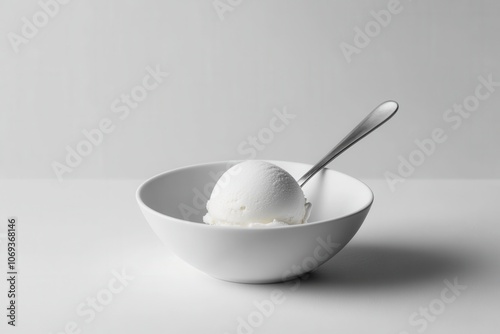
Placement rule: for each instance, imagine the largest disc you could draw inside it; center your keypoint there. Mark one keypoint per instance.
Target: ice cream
(257, 194)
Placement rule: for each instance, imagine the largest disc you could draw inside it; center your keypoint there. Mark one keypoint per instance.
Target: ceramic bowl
(174, 204)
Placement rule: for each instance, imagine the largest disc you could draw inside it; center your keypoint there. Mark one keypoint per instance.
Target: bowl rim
(238, 228)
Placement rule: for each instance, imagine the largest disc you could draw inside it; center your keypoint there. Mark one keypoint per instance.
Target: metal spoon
(376, 118)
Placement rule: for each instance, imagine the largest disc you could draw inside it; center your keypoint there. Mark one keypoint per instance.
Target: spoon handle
(374, 119)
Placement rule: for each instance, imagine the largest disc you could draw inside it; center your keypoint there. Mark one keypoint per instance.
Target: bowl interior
(183, 193)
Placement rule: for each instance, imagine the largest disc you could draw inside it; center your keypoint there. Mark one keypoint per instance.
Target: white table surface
(72, 235)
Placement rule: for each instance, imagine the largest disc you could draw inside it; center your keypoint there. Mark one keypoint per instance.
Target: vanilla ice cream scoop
(257, 194)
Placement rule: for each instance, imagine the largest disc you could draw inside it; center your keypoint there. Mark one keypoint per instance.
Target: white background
(226, 77)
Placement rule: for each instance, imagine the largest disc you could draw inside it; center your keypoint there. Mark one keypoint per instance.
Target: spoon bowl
(174, 203)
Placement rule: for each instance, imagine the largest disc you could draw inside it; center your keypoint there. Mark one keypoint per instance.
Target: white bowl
(174, 204)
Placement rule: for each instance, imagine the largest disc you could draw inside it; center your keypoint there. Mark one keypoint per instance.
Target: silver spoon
(376, 118)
